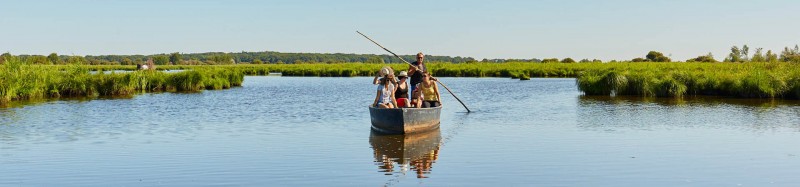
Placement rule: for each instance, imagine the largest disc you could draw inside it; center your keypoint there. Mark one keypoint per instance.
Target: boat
(404, 120)
(400, 153)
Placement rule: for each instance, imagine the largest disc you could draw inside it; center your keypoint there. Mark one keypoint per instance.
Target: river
(310, 131)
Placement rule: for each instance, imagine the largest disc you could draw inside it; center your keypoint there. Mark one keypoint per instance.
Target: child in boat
(416, 99)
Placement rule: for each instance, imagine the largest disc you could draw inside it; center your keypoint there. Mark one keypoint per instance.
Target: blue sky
(613, 29)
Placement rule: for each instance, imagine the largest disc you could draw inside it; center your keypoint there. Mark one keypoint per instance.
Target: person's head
(420, 57)
(402, 76)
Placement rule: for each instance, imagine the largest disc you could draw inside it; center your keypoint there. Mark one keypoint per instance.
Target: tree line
(212, 58)
(737, 54)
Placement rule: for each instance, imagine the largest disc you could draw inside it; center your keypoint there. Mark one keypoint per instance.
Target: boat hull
(404, 120)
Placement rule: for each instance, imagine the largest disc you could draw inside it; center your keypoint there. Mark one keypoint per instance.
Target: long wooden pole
(437, 80)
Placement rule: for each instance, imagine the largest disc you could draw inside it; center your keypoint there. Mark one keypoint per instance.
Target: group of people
(394, 92)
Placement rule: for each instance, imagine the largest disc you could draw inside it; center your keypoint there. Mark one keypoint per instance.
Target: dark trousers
(430, 104)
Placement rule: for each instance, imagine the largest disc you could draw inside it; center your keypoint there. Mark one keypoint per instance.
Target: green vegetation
(19, 81)
(749, 80)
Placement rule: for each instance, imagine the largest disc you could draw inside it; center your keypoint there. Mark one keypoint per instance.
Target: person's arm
(394, 100)
(378, 95)
(375, 80)
(411, 70)
(436, 91)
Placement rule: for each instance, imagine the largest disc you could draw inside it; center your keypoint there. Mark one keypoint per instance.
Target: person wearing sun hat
(401, 93)
(385, 70)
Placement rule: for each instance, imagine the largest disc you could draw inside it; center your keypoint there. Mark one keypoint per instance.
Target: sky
(591, 29)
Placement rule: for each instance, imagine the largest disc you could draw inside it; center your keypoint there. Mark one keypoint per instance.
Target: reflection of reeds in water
(416, 152)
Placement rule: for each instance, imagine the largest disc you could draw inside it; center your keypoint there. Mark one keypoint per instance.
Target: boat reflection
(401, 153)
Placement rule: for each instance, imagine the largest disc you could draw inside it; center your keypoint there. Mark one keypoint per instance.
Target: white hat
(385, 71)
(403, 74)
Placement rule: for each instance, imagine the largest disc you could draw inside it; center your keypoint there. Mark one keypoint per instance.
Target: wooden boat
(404, 120)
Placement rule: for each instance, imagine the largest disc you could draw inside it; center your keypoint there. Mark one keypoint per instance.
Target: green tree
(550, 60)
(375, 60)
(161, 60)
(76, 60)
(705, 58)
(175, 58)
(758, 56)
(735, 55)
(5, 56)
(258, 61)
(655, 56)
(640, 59)
(771, 57)
(53, 58)
(567, 60)
(37, 59)
(127, 61)
(791, 55)
(745, 51)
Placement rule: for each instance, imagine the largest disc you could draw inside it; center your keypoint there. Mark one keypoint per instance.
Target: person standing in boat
(416, 74)
(385, 93)
(430, 92)
(401, 95)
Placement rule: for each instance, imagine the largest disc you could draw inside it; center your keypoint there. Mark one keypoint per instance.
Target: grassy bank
(25, 82)
(746, 80)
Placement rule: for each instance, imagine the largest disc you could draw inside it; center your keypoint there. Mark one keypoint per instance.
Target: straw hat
(403, 74)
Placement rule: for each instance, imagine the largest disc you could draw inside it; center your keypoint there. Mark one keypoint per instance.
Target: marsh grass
(746, 80)
(31, 82)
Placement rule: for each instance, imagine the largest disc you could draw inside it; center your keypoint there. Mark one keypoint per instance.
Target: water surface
(290, 131)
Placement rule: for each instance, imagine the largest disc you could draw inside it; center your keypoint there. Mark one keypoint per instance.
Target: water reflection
(401, 153)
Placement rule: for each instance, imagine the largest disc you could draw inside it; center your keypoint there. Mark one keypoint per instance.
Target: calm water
(293, 131)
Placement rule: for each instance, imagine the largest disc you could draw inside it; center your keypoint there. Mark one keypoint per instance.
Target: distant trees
(736, 54)
(771, 57)
(791, 55)
(4, 57)
(758, 56)
(222, 59)
(655, 56)
(550, 60)
(76, 60)
(37, 59)
(161, 60)
(374, 60)
(704, 58)
(53, 58)
(175, 58)
(567, 60)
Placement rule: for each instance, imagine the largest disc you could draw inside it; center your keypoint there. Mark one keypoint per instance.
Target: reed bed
(27, 82)
(745, 80)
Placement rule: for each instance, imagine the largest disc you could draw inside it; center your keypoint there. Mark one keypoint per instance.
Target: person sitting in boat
(385, 93)
(401, 95)
(430, 92)
(416, 99)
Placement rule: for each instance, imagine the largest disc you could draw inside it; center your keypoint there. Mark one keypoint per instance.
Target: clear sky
(611, 29)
